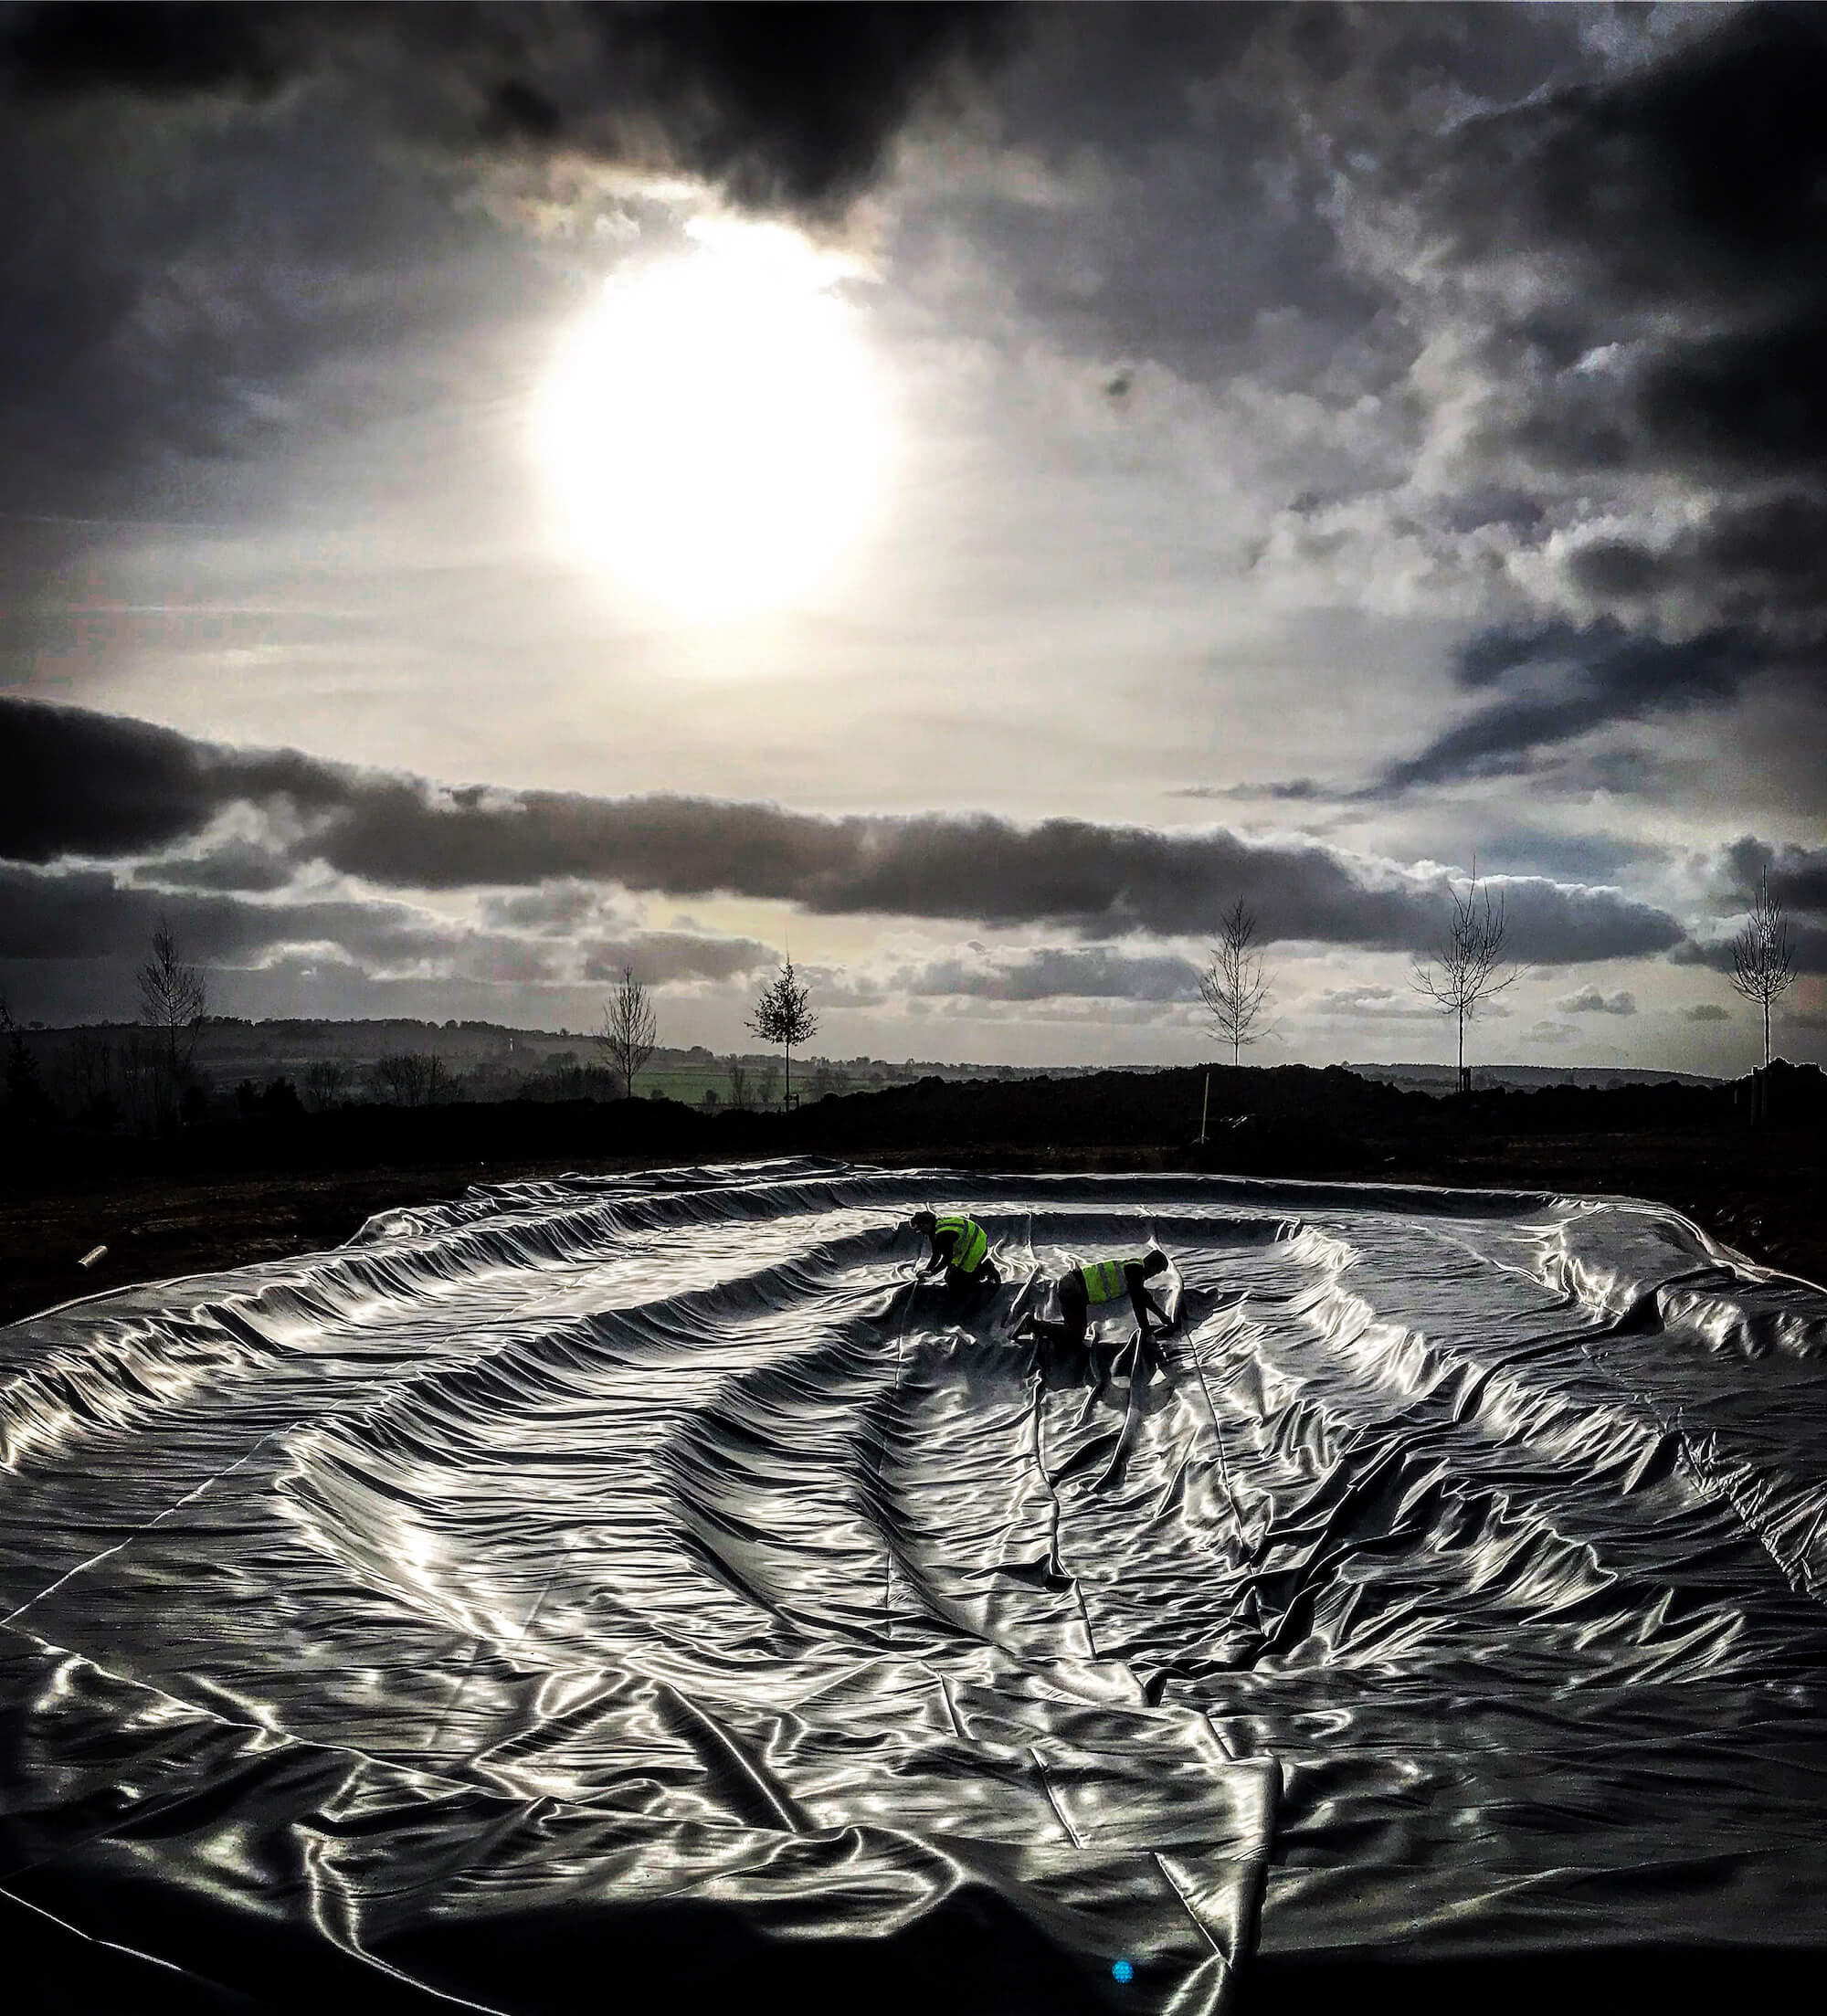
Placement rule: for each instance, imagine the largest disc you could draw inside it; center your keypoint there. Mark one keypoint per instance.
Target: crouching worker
(1088, 1292)
(961, 1246)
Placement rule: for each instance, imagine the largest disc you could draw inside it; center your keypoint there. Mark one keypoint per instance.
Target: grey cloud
(60, 801)
(1092, 972)
(1569, 855)
(1590, 1001)
(232, 865)
(661, 957)
(1177, 145)
(555, 907)
(1705, 1011)
(1552, 1032)
(86, 914)
(1293, 790)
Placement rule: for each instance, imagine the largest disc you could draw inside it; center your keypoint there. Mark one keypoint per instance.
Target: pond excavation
(644, 1590)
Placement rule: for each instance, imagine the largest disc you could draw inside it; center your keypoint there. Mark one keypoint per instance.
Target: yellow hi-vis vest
(970, 1243)
(1104, 1280)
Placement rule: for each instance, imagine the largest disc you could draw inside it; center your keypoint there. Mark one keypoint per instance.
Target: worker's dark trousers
(1074, 1307)
(962, 1287)
(1075, 1319)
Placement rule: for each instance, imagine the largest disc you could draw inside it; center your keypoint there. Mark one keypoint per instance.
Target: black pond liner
(635, 1591)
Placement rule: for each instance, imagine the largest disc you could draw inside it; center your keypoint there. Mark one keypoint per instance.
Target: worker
(1091, 1289)
(961, 1246)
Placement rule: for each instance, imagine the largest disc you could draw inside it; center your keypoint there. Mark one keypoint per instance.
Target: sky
(952, 497)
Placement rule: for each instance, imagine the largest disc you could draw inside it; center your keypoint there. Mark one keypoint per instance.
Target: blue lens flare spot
(1123, 1971)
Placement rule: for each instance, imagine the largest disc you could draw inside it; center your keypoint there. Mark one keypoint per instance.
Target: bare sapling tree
(25, 1097)
(173, 1000)
(1763, 955)
(783, 1015)
(630, 1029)
(1468, 966)
(741, 1097)
(1234, 988)
(406, 1078)
(326, 1082)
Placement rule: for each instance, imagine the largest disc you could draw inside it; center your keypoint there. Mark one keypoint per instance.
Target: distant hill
(1440, 1078)
(479, 1060)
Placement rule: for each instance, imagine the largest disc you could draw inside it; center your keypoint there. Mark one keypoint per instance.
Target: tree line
(1468, 966)
(149, 1080)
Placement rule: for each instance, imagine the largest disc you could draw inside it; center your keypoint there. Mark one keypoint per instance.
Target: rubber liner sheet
(643, 1580)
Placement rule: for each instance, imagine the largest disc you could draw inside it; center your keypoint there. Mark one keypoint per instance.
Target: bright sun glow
(712, 428)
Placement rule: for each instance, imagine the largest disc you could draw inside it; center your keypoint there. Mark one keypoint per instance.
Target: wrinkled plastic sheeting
(641, 1581)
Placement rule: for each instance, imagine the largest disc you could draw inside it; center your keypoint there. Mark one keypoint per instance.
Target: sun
(713, 430)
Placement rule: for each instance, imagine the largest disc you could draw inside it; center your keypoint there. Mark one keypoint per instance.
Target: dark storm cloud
(1798, 880)
(1806, 939)
(790, 106)
(1571, 680)
(76, 783)
(1761, 563)
(1680, 201)
(1798, 875)
(1673, 216)
(148, 47)
(1698, 170)
(82, 783)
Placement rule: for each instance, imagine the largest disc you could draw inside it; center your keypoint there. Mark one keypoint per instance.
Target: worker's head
(923, 1221)
(1155, 1262)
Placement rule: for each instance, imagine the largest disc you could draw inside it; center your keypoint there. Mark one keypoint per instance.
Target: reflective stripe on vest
(1104, 1280)
(970, 1243)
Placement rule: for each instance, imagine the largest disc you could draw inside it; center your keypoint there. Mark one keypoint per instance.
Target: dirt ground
(154, 1229)
(1769, 1202)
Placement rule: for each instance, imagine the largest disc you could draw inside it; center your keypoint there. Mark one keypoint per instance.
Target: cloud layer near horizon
(88, 788)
